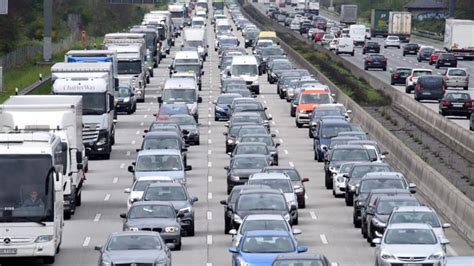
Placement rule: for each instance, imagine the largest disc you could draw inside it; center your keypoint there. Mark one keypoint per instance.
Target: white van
(223, 25)
(187, 57)
(245, 67)
(182, 90)
(196, 37)
(345, 45)
(357, 33)
(198, 22)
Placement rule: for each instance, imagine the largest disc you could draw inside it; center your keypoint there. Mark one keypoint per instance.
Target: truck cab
(182, 90)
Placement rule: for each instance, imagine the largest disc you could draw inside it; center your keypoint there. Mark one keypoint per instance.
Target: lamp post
(48, 24)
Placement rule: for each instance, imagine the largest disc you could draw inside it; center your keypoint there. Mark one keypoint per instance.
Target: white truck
(348, 14)
(197, 37)
(459, 37)
(61, 116)
(178, 15)
(357, 33)
(95, 83)
(31, 195)
(93, 56)
(312, 6)
(161, 20)
(399, 24)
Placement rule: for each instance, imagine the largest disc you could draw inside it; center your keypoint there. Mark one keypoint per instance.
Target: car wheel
(403, 54)
(49, 260)
(295, 221)
(292, 113)
(392, 83)
(430, 63)
(302, 205)
(416, 98)
(385, 47)
(197, 142)
(466, 88)
(363, 230)
(398, 47)
(441, 113)
(366, 68)
(310, 135)
(227, 227)
(352, 54)
(384, 69)
(299, 125)
(437, 66)
(190, 231)
(419, 60)
(357, 223)
(348, 201)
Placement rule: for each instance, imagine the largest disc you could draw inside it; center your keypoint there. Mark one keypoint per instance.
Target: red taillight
(411, 78)
(396, 75)
(445, 103)
(467, 78)
(468, 104)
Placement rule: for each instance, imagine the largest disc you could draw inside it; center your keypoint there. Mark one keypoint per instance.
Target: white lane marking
(210, 108)
(281, 140)
(128, 153)
(286, 152)
(145, 116)
(273, 122)
(208, 115)
(122, 166)
(209, 152)
(149, 109)
(265, 102)
(306, 196)
(133, 142)
(209, 123)
(263, 96)
(208, 264)
(209, 131)
(277, 131)
(115, 180)
(142, 124)
(151, 103)
(138, 132)
(209, 141)
(291, 164)
(209, 179)
(209, 239)
(209, 195)
(209, 164)
(313, 215)
(209, 215)
(86, 242)
(334, 264)
(107, 197)
(451, 251)
(97, 217)
(324, 239)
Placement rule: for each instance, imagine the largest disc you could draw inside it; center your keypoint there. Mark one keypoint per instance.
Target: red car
(434, 56)
(318, 36)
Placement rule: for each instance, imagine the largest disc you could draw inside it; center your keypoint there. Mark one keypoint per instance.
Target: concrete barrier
(439, 192)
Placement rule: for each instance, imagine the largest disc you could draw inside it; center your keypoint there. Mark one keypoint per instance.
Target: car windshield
(335, 142)
(403, 70)
(360, 170)
(271, 51)
(161, 143)
(134, 242)
(370, 184)
(169, 109)
(281, 66)
(122, 92)
(175, 193)
(150, 163)
(350, 155)
(140, 186)
(239, 70)
(251, 149)
(455, 96)
(346, 167)
(252, 130)
(249, 163)
(415, 217)
(298, 262)
(181, 95)
(261, 202)
(330, 131)
(184, 120)
(421, 73)
(265, 139)
(316, 98)
(226, 99)
(457, 72)
(386, 207)
(255, 225)
(129, 67)
(151, 211)
(195, 68)
(328, 112)
(235, 87)
(294, 176)
(268, 244)
(431, 83)
(246, 119)
(283, 185)
(251, 35)
(410, 237)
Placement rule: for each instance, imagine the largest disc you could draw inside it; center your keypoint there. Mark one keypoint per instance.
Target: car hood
(411, 250)
(151, 222)
(128, 256)
(189, 128)
(259, 259)
(175, 175)
(306, 106)
(244, 172)
(245, 213)
(178, 204)
(223, 106)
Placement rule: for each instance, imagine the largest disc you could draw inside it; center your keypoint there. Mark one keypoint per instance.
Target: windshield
(249, 163)
(410, 237)
(92, 103)
(268, 244)
(345, 168)
(198, 23)
(183, 61)
(161, 143)
(151, 211)
(278, 184)
(150, 163)
(239, 70)
(255, 225)
(272, 51)
(328, 112)
(251, 35)
(140, 186)
(26, 190)
(281, 66)
(360, 171)
(221, 28)
(195, 68)
(226, 99)
(122, 92)
(184, 120)
(252, 130)
(421, 73)
(385, 207)
(246, 119)
(195, 43)
(134, 242)
(431, 83)
(369, 185)
(350, 155)
(289, 172)
(177, 14)
(251, 149)
(267, 140)
(330, 131)
(170, 109)
(457, 72)
(261, 202)
(319, 98)
(181, 95)
(129, 67)
(415, 217)
(164, 193)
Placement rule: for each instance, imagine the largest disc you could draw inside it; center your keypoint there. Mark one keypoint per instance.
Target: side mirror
(131, 169)
(376, 241)
(233, 232)
(444, 241)
(214, 102)
(80, 166)
(224, 133)
(199, 99)
(170, 245)
(223, 202)
(412, 187)
(233, 250)
(123, 215)
(385, 153)
(138, 150)
(98, 248)
(194, 199)
(305, 179)
(226, 168)
(296, 231)
(302, 249)
(160, 100)
(127, 190)
(273, 135)
(293, 208)
(188, 168)
(446, 225)
(184, 149)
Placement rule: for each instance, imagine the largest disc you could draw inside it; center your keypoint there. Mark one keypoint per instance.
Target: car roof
(153, 178)
(159, 152)
(300, 256)
(166, 184)
(251, 144)
(261, 190)
(256, 217)
(333, 121)
(413, 209)
(249, 155)
(279, 168)
(348, 146)
(257, 135)
(156, 134)
(269, 176)
(137, 233)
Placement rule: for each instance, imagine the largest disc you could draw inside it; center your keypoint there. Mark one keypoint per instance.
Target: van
(186, 57)
(358, 34)
(345, 45)
(430, 87)
(182, 90)
(198, 22)
(223, 25)
(268, 35)
(307, 100)
(196, 37)
(245, 67)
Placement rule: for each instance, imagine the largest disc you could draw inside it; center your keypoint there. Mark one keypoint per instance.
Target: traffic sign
(3, 7)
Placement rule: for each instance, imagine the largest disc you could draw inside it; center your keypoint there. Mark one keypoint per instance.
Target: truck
(458, 37)
(161, 21)
(399, 24)
(379, 22)
(31, 194)
(95, 83)
(61, 116)
(151, 42)
(196, 37)
(357, 33)
(178, 16)
(312, 6)
(83, 56)
(348, 14)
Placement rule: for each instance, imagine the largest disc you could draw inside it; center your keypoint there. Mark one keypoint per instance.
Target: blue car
(222, 105)
(262, 247)
(325, 130)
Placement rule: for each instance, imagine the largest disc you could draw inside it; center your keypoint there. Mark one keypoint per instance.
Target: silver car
(409, 243)
(457, 77)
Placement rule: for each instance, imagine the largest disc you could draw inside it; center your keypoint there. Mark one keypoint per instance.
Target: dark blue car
(325, 130)
(222, 105)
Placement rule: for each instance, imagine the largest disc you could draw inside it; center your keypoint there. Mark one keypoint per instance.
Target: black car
(430, 87)
(126, 100)
(305, 26)
(242, 166)
(188, 123)
(250, 38)
(456, 103)
(231, 135)
(424, 54)
(375, 61)
(164, 140)
(446, 60)
(371, 47)
(411, 48)
(265, 138)
(399, 75)
(278, 67)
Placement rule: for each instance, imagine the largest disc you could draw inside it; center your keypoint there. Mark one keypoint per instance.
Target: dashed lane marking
(128, 153)
(209, 179)
(313, 215)
(133, 142)
(209, 215)
(86, 242)
(97, 217)
(281, 140)
(209, 195)
(107, 197)
(138, 132)
(209, 141)
(324, 239)
(115, 180)
(122, 166)
(209, 164)
(209, 239)
(209, 152)
(286, 152)
(291, 164)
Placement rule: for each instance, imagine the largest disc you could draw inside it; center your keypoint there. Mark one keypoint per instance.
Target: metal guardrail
(34, 86)
(428, 34)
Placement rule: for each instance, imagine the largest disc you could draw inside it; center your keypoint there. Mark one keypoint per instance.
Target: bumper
(396, 262)
(457, 83)
(174, 238)
(123, 107)
(462, 112)
(221, 115)
(376, 65)
(302, 118)
(192, 138)
(29, 250)
(93, 149)
(255, 89)
(339, 188)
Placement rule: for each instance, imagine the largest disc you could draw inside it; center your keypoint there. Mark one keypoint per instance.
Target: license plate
(458, 104)
(448, 64)
(7, 251)
(412, 264)
(426, 93)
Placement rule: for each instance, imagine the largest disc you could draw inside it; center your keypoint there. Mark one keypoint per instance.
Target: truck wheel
(112, 139)
(79, 199)
(49, 260)
(67, 215)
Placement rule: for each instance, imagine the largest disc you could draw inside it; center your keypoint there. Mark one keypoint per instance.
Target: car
(371, 47)
(379, 154)
(411, 80)
(296, 180)
(392, 41)
(456, 77)
(177, 195)
(471, 123)
(325, 129)
(263, 246)
(251, 37)
(424, 53)
(446, 60)
(375, 61)
(231, 135)
(225, 81)
(332, 46)
(252, 148)
(376, 180)
(166, 140)
(307, 100)
(154, 216)
(318, 36)
(340, 141)
(166, 125)
(459, 260)
(265, 138)
(411, 48)
(139, 186)
(325, 110)
(434, 56)
(339, 180)
(345, 45)
(429, 87)
(409, 243)
(327, 38)
(399, 75)
(188, 123)
(254, 222)
(232, 87)
(305, 26)
(242, 166)
(135, 247)
(277, 67)
(456, 103)
(168, 109)
(126, 100)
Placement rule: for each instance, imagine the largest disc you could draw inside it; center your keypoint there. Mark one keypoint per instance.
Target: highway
(326, 222)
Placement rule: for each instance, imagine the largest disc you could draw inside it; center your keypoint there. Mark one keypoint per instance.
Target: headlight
(436, 256)
(298, 189)
(161, 263)
(101, 141)
(340, 179)
(273, 75)
(220, 109)
(44, 238)
(287, 217)
(332, 169)
(241, 262)
(360, 203)
(237, 219)
(378, 223)
(185, 210)
(235, 177)
(230, 141)
(126, 100)
(105, 263)
(133, 229)
(255, 82)
(171, 229)
(138, 92)
(352, 188)
(387, 256)
(324, 148)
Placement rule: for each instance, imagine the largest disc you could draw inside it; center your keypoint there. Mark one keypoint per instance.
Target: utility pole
(48, 28)
(452, 8)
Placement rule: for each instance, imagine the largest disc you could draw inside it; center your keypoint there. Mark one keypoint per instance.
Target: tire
(216, 119)
(309, 133)
(407, 90)
(437, 66)
(392, 83)
(352, 54)
(465, 88)
(79, 199)
(129, 111)
(295, 221)
(328, 181)
(299, 125)
(67, 215)
(190, 231)
(398, 47)
(198, 142)
(292, 113)
(430, 63)
(363, 231)
(177, 247)
(418, 59)
(303, 204)
(49, 260)
(357, 223)
(366, 68)
(403, 54)
(348, 201)
(363, 52)
(441, 113)
(416, 98)
(384, 69)
(385, 47)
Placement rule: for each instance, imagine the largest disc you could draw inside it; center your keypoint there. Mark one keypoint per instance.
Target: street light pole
(48, 25)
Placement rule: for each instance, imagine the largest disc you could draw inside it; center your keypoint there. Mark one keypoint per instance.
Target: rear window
(457, 72)
(431, 82)
(458, 96)
(422, 73)
(447, 56)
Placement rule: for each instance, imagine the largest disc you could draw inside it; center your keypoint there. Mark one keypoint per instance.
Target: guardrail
(439, 192)
(428, 34)
(34, 86)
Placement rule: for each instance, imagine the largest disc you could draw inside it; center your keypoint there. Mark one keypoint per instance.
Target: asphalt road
(326, 222)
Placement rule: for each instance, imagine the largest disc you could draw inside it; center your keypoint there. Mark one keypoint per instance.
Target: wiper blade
(32, 220)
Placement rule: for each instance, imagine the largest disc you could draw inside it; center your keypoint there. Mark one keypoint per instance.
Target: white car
(411, 80)
(139, 186)
(345, 46)
(333, 44)
(295, 25)
(339, 181)
(327, 38)
(392, 41)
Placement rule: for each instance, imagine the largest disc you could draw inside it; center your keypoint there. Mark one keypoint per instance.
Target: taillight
(396, 75)
(445, 103)
(467, 78)
(411, 78)
(468, 104)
